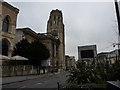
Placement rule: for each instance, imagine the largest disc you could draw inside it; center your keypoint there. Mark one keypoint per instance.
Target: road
(48, 82)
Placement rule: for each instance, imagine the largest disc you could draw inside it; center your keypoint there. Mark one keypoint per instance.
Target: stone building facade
(55, 27)
(8, 18)
(48, 40)
(53, 39)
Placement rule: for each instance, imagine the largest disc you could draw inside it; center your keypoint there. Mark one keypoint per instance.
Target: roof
(29, 32)
(40, 36)
(16, 10)
(45, 36)
(86, 46)
(103, 53)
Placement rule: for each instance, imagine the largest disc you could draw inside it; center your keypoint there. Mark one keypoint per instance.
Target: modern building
(108, 57)
(102, 58)
(8, 18)
(87, 52)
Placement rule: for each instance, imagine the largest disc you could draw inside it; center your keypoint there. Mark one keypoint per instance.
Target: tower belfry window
(58, 17)
(5, 25)
(54, 20)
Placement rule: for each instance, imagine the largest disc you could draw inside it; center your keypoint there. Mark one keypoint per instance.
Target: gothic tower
(55, 27)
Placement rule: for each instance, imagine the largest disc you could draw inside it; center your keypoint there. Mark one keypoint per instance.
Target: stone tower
(55, 27)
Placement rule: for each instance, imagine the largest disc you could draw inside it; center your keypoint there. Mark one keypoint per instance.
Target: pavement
(13, 79)
(51, 81)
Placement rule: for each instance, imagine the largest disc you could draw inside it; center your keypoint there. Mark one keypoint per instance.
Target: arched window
(5, 25)
(5, 47)
(1, 47)
(54, 20)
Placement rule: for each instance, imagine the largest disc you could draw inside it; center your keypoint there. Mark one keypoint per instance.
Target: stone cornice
(30, 32)
(39, 36)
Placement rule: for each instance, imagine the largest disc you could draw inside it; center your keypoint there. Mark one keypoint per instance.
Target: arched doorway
(5, 47)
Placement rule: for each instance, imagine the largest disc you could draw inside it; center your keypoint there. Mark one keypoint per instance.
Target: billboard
(87, 54)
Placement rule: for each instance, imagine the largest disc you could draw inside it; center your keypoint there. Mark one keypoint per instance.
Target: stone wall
(11, 12)
(19, 70)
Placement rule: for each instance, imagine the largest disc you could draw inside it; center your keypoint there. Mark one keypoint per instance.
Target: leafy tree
(22, 48)
(98, 74)
(38, 52)
(35, 52)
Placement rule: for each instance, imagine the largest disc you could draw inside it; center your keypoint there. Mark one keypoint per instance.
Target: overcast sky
(86, 23)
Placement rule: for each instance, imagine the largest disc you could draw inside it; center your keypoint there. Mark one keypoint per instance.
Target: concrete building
(102, 58)
(8, 18)
(113, 56)
(87, 53)
(108, 57)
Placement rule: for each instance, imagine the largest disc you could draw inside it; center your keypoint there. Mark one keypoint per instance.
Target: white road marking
(39, 83)
(21, 87)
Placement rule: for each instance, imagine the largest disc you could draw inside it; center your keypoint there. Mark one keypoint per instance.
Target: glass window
(5, 45)
(5, 25)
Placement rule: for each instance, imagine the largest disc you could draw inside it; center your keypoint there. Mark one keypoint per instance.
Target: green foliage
(34, 51)
(22, 48)
(97, 74)
(38, 52)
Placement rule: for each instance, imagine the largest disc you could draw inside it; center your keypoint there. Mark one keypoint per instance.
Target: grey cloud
(85, 23)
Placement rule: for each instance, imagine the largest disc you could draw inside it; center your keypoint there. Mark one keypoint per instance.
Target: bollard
(58, 85)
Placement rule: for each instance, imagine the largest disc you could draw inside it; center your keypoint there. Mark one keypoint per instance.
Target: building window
(54, 17)
(54, 20)
(59, 18)
(5, 47)
(5, 25)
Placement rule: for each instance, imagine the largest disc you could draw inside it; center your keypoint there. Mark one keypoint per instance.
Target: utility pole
(117, 14)
(118, 21)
